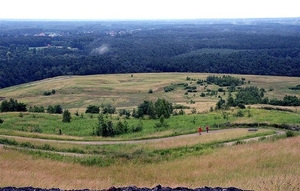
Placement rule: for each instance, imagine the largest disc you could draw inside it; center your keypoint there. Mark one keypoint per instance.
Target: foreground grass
(258, 166)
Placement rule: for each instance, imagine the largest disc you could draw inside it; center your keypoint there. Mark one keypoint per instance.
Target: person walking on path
(199, 130)
(207, 128)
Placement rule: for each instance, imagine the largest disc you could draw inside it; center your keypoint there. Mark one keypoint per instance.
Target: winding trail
(278, 132)
(111, 142)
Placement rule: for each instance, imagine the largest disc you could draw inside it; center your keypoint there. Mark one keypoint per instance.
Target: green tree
(58, 109)
(12, 105)
(220, 104)
(101, 129)
(92, 109)
(230, 100)
(104, 127)
(121, 128)
(146, 108)
(163, 107)
(108, 109)
(110, 128)
(66, 116)
(50, 109)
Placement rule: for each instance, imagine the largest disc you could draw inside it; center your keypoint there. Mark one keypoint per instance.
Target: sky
(147, 9)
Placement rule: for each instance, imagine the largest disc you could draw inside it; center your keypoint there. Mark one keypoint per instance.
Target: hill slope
(129, 90)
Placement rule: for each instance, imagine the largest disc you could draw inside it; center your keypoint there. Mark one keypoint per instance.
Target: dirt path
(279, 132)
(113, 142)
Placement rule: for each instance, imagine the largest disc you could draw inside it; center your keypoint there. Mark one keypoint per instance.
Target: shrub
(46, 93)
(37, 109)
(242, 106)
(169, 88)
(92, 109)
(290, 134)
(55, 109)
(135, 129)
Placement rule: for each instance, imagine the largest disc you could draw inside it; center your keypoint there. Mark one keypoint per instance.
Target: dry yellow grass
(257, 166)
(124, 91)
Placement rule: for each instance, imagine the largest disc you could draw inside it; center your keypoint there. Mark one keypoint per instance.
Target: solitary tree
(66, 116)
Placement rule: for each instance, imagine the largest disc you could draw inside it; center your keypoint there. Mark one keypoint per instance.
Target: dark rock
(129, 188)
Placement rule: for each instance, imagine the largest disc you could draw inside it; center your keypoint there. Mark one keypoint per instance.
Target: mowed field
(266, 164)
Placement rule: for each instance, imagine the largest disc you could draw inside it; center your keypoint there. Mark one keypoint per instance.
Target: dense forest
(34, 50)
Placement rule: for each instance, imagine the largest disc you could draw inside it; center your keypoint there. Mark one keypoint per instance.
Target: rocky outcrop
(129, 188)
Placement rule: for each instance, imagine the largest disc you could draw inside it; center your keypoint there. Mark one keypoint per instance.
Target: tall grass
(148, 151)
(253, 166)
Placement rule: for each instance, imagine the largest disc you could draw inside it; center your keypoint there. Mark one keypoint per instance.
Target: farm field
(39, 146)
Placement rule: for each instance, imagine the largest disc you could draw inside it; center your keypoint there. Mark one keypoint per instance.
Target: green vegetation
(12, 106)
(288, 100)
(92, 109)
(54, 109)
(224, 80)
(178, 124)
(297, 87)
(47, 93)
(66, 116)
(147, 117)
(121, 132)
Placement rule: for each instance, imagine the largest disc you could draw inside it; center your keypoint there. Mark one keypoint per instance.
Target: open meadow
(39, 150)
(129, 90)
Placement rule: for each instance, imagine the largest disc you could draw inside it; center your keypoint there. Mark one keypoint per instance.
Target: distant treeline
(29, 53)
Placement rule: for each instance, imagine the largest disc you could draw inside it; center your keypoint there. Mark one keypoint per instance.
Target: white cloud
(101, 50)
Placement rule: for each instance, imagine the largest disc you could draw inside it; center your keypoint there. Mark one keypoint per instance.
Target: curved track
(279, 132)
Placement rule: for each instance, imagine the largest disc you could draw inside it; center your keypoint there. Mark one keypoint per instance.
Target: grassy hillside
(129, 90)
(190, 160)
